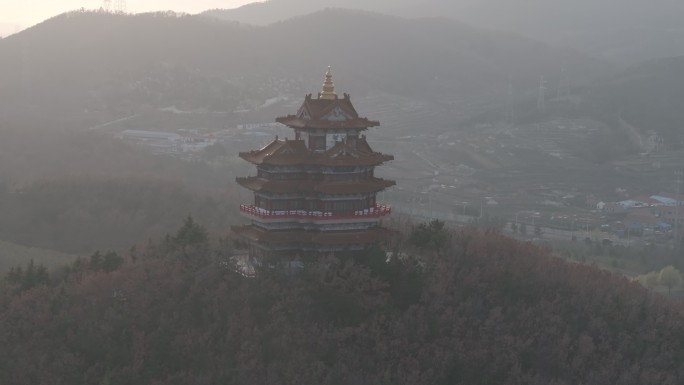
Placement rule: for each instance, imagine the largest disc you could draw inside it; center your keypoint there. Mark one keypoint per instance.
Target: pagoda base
(300, 243)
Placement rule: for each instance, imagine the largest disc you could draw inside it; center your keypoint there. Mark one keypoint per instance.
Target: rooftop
(294, 152)
(328, 111)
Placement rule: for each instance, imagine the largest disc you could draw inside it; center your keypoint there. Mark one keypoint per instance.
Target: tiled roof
(642, 216)
(667, 201)
(308, 186)
(327, 114)
(672, 196)
(294, 152)
(319, 108)
(295, 122)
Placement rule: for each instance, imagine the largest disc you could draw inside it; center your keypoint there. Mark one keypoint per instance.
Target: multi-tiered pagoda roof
(316, 192)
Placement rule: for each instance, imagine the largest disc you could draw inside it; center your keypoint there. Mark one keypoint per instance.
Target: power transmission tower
(107, 5)
(541, 96)
(120, 6)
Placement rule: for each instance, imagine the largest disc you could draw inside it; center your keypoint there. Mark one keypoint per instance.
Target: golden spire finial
(328, 87)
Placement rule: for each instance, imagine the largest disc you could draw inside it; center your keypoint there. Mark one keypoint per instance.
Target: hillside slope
(648, 96)
(485, 310)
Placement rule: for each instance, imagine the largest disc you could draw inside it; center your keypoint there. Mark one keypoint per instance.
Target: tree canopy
(486, 309)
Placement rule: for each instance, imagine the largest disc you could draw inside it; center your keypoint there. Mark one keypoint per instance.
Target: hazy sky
(19, 14)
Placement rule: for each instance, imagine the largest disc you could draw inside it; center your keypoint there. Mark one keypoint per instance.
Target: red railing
(374, 212)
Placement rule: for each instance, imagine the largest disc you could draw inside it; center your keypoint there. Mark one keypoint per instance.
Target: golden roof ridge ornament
(328, 92)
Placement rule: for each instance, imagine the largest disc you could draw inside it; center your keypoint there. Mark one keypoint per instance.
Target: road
(105, 125)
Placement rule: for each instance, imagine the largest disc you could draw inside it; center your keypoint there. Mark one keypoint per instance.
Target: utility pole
(541, 95)
(510, 110)
(564, 84)
(677, 236)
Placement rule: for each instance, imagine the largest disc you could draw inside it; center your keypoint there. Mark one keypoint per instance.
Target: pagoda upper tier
(353, 151)
(327, 112)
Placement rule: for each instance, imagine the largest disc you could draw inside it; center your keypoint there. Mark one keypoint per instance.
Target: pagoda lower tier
(264, 242)
(368, 185)
(260, 214)
(358, 220)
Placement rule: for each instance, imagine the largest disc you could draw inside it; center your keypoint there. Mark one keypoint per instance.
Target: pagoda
(316, 193)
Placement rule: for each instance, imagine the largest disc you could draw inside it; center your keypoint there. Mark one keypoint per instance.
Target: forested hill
(649, 96)
(483, 310)
(82, 68)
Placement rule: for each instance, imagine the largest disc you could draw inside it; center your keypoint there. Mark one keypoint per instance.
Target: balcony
(371, 213)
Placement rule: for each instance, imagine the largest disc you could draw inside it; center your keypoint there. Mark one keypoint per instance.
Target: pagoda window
(332, 139)
(344, 206)
(280, 205)
(260, 202)
(317, 143)
(303, 135)
(350, 169)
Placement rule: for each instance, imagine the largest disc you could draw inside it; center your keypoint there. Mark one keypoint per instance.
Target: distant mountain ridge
(268, 12)
(125, 62)
(621, 30)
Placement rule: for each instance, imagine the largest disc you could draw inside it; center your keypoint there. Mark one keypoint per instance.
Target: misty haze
(342, 192)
